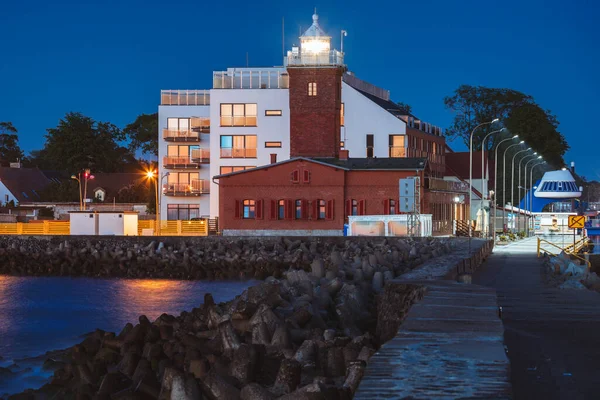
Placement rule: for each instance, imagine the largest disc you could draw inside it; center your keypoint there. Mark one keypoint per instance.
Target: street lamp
(496, 180)
(78, 179)
(519, 184)
(532, 187)
(483, 188)
(87, 176)
(504, 182)
(344, 33)
(512, 181)
(527, 204)
(471, 175)
(153, 175)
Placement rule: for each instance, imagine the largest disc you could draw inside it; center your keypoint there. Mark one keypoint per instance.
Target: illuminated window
(312, 88)
(342, 112)
(238, 114)
(321, 209)
(342, 144)
(227, 169)
(397, 148)
(238, 146)
(272, 144)
(298, 209)
(183, 212)
(273, 113)
(249, 209)
(281, 209)
(354, 210)
(392, 209)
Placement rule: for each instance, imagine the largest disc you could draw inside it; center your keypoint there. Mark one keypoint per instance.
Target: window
(272, 144)
(389, 206)
(178, 124)
(370, 141)
(183, 212)
(342, 112)
(281, 209)
(321, 209)
(227, 170)
(238, 146)
(354, 209)
(342, 144)
(238, 114)
(272, 113)
(249, 209)
(397, 148)
(182, 182)
(312, 88)
(298, 204)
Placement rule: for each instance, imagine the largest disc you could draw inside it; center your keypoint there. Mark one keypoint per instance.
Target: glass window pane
(226, 110)
(238, 110)
(251, 141)
(172, 123)
(173, 151)
(238, 142)
(226, 142)
(251, 109)
(184, 124)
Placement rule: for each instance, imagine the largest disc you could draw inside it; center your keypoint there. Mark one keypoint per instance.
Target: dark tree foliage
(9, 143)
(406, 107)
(79, 142)
(143, 134)
(65, 191)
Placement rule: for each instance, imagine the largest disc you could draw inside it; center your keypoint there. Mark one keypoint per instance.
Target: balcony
(173, 135)
(332, 57)
(201, 156)
(251, 79)
(200, 124)
(447, 186)
(180, 162)
(248, 120)
(196, 188)
(397, 152)
(184, 97)
(238, 153)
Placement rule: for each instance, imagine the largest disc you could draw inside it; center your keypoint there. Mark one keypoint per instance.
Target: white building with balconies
(243, 122)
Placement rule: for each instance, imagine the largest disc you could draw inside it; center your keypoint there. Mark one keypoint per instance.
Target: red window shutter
(289, 209)
(273, 209)
(329, 212)
(259, 209)
(362, 209)
(295, 176)
(306, 176)
(314, 210)
(348, 207)
(386, 207)
(238, 207)
(398, 207)
(304, 209)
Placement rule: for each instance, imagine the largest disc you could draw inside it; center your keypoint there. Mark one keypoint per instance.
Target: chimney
(344, 154)
(273, 158)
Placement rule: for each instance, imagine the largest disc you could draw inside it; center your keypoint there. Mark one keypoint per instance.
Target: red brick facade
(432, 147)
(307, 182)
(315, 111)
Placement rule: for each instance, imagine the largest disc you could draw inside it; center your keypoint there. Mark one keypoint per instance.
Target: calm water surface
(42, 314)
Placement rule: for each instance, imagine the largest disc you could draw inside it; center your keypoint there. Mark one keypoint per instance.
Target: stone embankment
(566, 273)
(306, 332)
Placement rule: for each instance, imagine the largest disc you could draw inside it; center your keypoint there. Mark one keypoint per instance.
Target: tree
(143, 134)
(9, 146)
(79, 142)
(406, 107)
(65, 191)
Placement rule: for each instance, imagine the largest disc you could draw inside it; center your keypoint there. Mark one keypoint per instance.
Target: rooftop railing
(300, 59)
(184, 97)
(250, 79)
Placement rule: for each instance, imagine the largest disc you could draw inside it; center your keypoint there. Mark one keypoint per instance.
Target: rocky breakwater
(305, 335)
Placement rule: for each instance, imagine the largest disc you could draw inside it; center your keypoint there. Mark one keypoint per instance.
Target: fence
(175, 228)
(35, 228)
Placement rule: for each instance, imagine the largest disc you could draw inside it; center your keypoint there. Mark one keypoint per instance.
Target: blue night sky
(109, 59)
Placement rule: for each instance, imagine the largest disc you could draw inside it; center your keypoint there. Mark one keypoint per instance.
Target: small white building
(104, 223)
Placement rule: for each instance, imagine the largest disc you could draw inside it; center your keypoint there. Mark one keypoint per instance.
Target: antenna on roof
(282, 37)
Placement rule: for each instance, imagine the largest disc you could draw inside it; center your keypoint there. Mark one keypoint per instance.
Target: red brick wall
(438, 169)
(315, 120)
(275, 183)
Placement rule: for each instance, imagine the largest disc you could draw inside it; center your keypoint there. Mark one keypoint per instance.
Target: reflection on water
(42, 314)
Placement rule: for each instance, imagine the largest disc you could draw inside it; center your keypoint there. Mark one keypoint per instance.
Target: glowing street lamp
(78, 179)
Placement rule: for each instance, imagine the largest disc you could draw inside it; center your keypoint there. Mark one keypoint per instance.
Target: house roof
(24, 183)
(315, 29)
(351, 164)
(112, 183)
(457, 164)
(387, 105)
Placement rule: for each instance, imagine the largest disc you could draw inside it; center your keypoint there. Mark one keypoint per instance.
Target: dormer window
(312, 88)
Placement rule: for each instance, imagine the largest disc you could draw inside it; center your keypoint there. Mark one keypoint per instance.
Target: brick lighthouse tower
(315, 94)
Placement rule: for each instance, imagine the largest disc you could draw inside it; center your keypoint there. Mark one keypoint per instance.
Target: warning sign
(576, 221)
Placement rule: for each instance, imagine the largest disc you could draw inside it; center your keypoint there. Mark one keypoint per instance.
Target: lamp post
(483, 188)
(153, 175)
(78, 179)
(87, 176)
(504, 182)
(471, 176)
(527, 204)
(512, 180)
(519, 186)
(531, 181)
(343, 33)
(496, 181)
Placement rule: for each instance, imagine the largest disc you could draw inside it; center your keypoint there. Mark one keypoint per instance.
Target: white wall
(165, 112)
(5, 192)
(131, 224)
(82, 223)
(276, 129)
(362, 117)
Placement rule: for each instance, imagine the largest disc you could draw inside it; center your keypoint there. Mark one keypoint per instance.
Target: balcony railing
(180, 162)
(397, 151)
(332, 57)
(172, 135)
(447, 186)
(251, 79)
(184, 97)
(201, 155)
(248, 120)
(195, 188)
(200, 124)
(238, 153)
